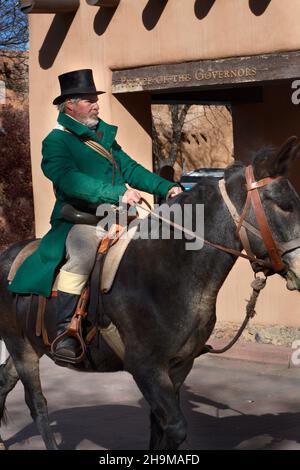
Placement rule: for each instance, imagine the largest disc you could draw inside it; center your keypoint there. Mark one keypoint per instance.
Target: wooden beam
(104, 3)
(48, 6)
(206, 73)
(224, 96)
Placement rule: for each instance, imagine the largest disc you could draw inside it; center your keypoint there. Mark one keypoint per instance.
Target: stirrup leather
(75, 330)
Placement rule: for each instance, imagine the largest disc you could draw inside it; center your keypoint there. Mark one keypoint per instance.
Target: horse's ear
(282, 159)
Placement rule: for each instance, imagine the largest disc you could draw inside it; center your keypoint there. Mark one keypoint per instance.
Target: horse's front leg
(168, 423)
(178, 375)
(156, 436)
(26, 362)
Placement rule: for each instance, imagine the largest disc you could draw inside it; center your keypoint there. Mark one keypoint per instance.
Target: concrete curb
(255, 352)
(242, 350)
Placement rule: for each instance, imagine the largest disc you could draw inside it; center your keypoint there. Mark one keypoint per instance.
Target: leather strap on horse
(74, 329)
(192, 234)
(40, 327)
(260, 215)
(243, 226)
(236, 217)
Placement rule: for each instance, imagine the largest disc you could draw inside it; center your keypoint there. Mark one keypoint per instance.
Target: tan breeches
(81, 249)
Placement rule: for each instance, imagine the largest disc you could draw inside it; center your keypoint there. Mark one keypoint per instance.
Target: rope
(257, 285)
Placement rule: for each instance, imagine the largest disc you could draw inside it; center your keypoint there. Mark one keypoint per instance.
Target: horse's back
(7, 257)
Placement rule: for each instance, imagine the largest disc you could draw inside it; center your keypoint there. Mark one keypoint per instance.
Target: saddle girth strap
(40, 327)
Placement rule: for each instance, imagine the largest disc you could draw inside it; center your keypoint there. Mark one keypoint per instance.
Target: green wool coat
(81, 177)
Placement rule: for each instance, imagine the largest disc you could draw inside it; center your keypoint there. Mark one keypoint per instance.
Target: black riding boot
(65, 308)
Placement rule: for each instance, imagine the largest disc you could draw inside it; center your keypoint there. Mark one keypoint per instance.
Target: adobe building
(244, 53)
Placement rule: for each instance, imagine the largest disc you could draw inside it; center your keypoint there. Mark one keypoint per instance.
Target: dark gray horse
(163, 300)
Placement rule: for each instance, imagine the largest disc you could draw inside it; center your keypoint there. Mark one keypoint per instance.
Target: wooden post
(48, 6)
(205, 73)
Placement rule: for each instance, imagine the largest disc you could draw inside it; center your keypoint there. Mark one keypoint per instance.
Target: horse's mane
(257, 158)
(202, 191)
(232, 168)
(262, 155)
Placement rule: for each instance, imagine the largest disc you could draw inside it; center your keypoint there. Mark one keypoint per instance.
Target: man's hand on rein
(174, 191)
(131, 197)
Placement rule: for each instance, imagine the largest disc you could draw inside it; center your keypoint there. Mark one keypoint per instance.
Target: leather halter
(275, 250)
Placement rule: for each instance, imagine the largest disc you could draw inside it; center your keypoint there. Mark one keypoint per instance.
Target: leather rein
(275, 249)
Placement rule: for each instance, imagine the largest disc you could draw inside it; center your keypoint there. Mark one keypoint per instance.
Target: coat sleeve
(139, 177)
(64, 174)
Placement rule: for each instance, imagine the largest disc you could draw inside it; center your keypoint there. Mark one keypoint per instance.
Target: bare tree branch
(192, 136)
(178, 115)
(13, 47)
(13, 27)
(156, 147)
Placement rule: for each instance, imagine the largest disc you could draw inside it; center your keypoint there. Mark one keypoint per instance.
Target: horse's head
(278, 220)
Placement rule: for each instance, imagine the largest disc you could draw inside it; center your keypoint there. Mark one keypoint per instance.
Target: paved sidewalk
(255, 352)
(228, 404)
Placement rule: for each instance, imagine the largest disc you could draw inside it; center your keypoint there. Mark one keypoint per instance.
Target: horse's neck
(236, 188)
(213, 264)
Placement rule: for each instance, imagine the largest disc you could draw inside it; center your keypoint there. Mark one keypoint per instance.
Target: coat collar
(105, 133)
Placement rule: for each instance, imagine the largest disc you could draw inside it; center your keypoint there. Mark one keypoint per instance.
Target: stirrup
(74, 329)
(62, 358)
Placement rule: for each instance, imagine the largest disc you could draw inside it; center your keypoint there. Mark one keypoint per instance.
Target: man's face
(85, 110)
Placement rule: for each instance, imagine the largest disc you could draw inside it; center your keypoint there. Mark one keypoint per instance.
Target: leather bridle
(275, 249)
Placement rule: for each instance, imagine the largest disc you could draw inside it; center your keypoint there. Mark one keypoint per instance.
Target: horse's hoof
(2, 446)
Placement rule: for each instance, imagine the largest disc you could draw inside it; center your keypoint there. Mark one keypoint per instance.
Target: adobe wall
(137, 35)
(140, 33)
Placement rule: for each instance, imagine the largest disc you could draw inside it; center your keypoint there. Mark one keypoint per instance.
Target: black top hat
(78, 82)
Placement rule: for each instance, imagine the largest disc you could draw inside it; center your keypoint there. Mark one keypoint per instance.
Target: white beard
(91, 123)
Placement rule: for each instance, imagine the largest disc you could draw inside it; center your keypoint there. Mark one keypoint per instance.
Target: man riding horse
(87, 168)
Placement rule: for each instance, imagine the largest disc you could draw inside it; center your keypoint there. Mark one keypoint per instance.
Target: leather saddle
(39, 323)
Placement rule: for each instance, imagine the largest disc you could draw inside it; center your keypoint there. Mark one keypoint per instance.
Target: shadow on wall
(103, 19)
(258, 7)
(202, 8)
(138, 105)
(54, 39)
(152, 13)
